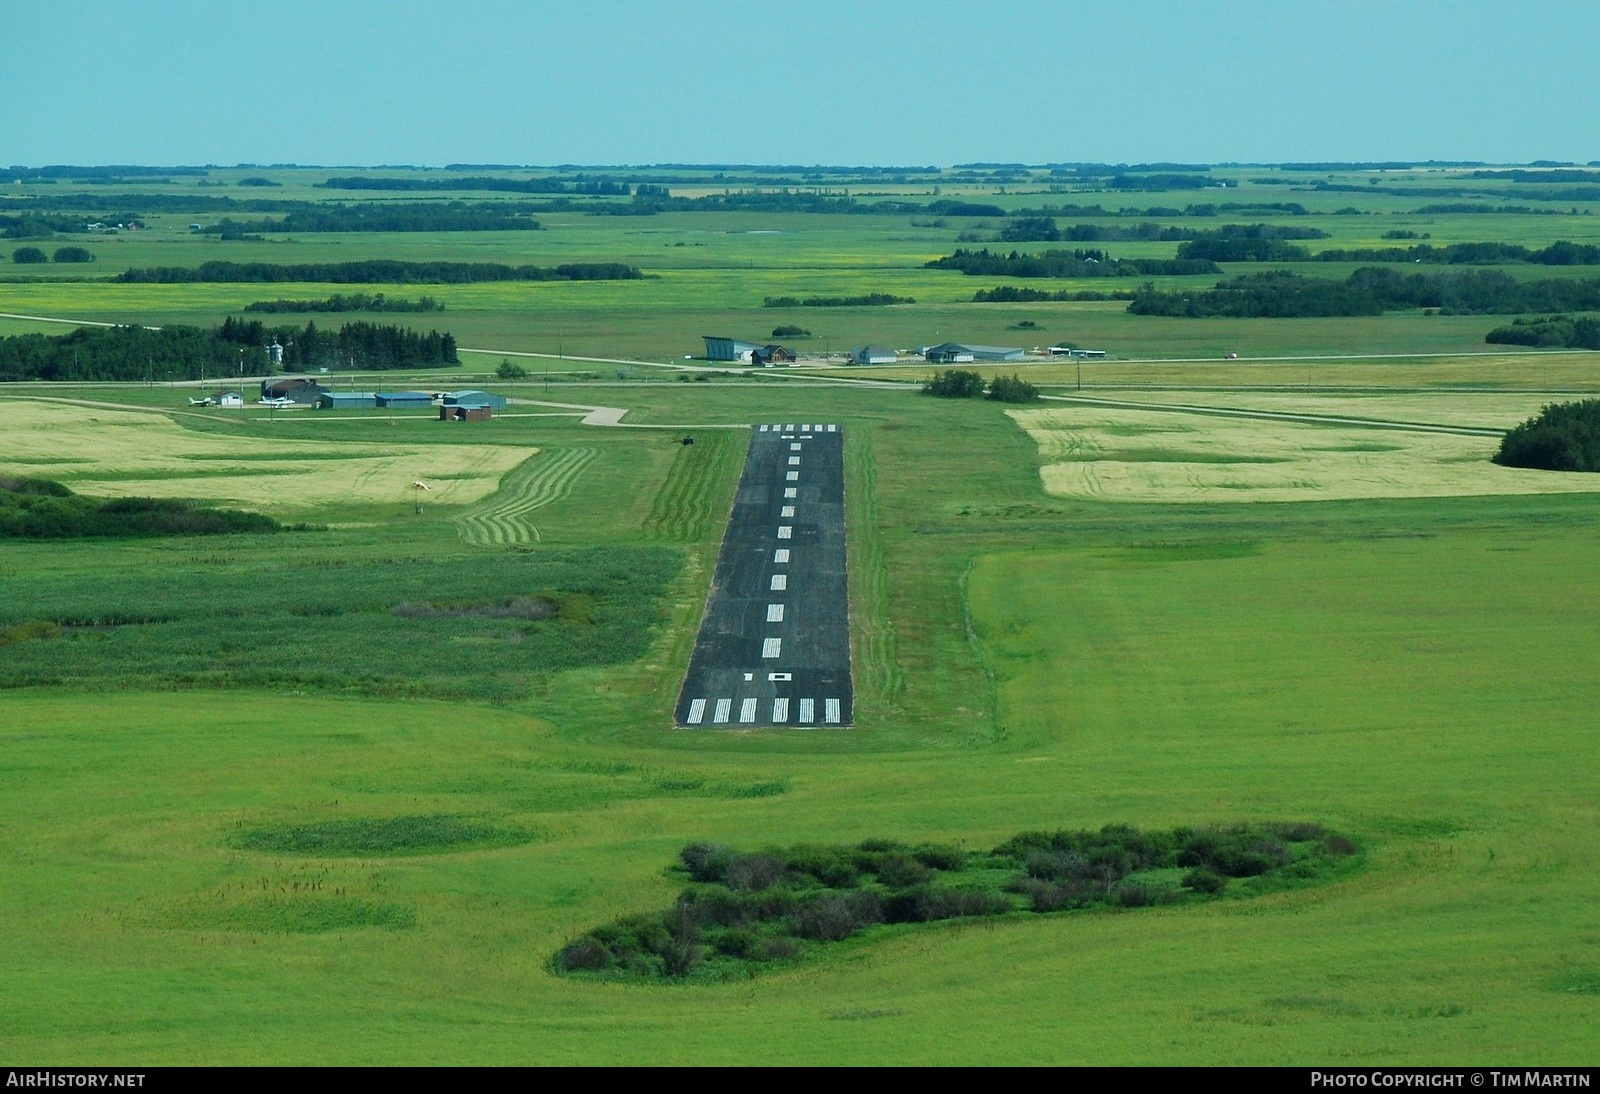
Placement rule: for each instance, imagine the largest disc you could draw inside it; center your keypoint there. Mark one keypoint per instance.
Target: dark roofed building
(297, 389)
(947, 353)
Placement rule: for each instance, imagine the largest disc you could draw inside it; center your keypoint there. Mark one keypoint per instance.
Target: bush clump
(1012, 389)
(744, 910)
(1561, 437)
(40, 509)
(954, 383)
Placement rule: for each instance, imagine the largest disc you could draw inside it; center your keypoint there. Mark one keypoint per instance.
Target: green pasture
(338, 795)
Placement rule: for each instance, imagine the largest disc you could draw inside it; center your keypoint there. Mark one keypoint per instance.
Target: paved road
(774, 647)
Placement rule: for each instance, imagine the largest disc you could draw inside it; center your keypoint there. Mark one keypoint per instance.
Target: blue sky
(883, 82)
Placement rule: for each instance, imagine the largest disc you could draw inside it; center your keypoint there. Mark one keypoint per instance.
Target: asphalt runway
(774, 646)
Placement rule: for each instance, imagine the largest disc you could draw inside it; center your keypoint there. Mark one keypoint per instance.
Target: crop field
(114, 453)
(1165, 456)
(341, 794)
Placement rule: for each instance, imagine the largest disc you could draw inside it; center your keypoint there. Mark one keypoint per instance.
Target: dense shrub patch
(1561, 437)
(41, 509)
(1580, 332)
(742, 911)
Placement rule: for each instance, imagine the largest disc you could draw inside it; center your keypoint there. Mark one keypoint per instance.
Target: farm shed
(295, 389)
(873, 355)
(230, 398)
(729, 349)
(465, 413)
(957, 353)
(473, 398)
(405, 400)
(347, 400)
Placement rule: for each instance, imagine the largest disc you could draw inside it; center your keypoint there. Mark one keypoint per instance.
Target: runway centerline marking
(773, 650)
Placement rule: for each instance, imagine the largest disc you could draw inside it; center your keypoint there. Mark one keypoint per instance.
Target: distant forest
(1075, 263)
(456, 216)
(1370, 291)
(360, 301)
(380, 272)
(193, 353)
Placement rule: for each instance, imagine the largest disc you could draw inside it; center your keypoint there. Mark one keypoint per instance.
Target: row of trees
(1025, 229)
(379, 272)
(1370, 291)
(28, 256)
(359, 345)
(360, 301)
(193, 353)
(456, 216)
(1559, 253)
(1075, 263)
(601, 186)
(866, 300)
(1016, 294)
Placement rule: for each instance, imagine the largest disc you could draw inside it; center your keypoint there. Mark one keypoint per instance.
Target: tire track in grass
(686, 504)
(538, 481)
(877, 671)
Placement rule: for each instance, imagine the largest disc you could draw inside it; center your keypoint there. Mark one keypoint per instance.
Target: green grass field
(338, 795)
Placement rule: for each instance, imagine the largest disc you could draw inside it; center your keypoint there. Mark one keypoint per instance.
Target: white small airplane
(420, 485)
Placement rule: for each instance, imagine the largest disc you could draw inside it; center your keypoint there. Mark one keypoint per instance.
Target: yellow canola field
(113, 453)
(1171, 456)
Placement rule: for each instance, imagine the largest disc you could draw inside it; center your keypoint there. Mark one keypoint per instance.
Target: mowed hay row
(539, 480)
(686, 504)
(1171, 456)
(112, 453)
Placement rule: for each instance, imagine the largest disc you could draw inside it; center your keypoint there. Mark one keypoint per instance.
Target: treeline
(360, 345)
(1075, 263)
(1580, 332)
(354, 302)
(44, 225)
(108, 173)
(1449, 207)
(1013, 294)
(1370, 291)
(1547, 177)
(604, 187)
(193, 353)
(378, 271)
(869, 300)
(456, 216)
(42, 509)
(1043, 229)
(1203, 209)
(649, 203)
(1559, 253)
